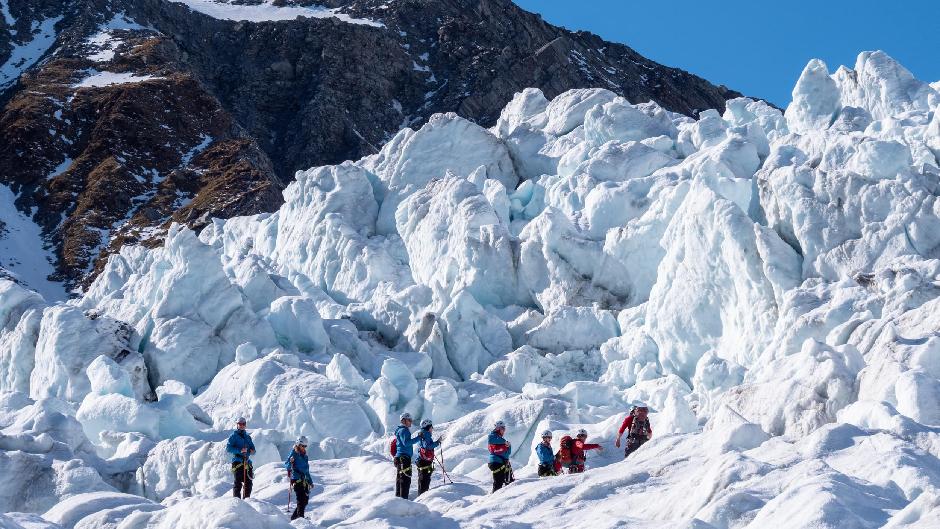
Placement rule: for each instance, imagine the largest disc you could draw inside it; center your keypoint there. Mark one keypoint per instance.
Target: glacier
(767, 282)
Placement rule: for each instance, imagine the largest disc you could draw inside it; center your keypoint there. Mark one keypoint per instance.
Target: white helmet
(404, 416)
(302, 440)
(241, 420)
(547, 433)
(498, 425)
(581, 432)
(426, 423)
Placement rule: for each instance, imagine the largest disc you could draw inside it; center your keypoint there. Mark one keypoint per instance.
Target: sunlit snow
(268, 11)
(100, 79)
(104, 43)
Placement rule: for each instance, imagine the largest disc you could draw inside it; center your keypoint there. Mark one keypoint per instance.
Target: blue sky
(759, 47)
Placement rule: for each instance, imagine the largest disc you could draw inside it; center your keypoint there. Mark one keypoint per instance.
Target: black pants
(243, 479)
(502, 475)
(302, 490)
(633, 443)
(402, 476)
(547, 470)
(425, 469)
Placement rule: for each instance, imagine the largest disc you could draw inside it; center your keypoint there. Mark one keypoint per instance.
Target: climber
(638, 429)
(298, 472)
(499, 457)
(425, 463)
(241, 447)
(404, 451)
(578, 457)
(546, 456)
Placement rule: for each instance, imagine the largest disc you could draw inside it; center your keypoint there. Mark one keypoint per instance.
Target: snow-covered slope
(766, 283)
(23, 257)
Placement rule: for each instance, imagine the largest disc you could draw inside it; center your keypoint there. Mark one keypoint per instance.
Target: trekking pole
(288, 493)
(444, 470)
(446, 476)
(442, 465)
(244, 476)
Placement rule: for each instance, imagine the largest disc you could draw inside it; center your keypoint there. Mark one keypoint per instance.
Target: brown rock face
(144, 112)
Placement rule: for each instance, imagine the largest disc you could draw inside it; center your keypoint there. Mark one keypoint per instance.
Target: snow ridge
(268, 10)
(766, 282)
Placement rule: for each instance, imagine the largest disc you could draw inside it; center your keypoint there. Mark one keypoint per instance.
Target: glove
(617, 443)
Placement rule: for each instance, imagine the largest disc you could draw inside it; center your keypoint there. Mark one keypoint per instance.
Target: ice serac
(712, 292)
(20, 316)
(765, 283)
(816, 99)
(447, 144)
(471, 251)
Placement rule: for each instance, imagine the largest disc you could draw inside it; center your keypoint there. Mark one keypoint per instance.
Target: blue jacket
(499, 448)
(427, 445)
(238, 440)
(299, 466)
(404, 444)
(546, 456)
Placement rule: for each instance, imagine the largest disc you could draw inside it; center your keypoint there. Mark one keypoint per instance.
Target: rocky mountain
(120, 116)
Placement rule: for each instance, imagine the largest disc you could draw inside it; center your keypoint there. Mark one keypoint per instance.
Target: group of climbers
(571, 453)
(297, 464)
(570, 456)
(402, 450)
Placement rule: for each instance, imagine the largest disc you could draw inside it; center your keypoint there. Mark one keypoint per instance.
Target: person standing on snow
(298, 471)
(425, 464)
(241, 447)
(578, 458)
(639, 430)
(499, 456)
(546, 456)
(404, 452)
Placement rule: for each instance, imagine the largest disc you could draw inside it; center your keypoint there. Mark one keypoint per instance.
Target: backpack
(640, 422)
(564, 453)
(393, 446)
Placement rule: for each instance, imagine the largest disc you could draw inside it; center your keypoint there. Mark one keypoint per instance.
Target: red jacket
(628, 422)
(578, 448)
